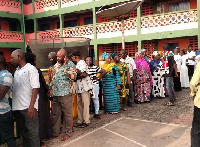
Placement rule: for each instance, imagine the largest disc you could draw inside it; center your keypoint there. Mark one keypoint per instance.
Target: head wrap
(105, 55)
(143, 50)
(155, 53)
(114, 55)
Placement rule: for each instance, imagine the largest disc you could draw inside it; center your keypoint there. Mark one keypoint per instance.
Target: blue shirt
(61, 81)
(6, 79)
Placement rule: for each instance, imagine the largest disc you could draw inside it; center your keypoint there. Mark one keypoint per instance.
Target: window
(70, 23)
(44, 27)
(88, 20)
(179, 6)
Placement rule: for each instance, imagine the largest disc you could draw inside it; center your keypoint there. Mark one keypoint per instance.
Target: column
(22, 23)
(139, 27)
(96, 51)
(35, 27)
(61, 18)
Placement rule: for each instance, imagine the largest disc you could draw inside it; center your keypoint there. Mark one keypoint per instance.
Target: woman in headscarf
(111, 85)
(143, 80)
(157, 75)
(125, 78)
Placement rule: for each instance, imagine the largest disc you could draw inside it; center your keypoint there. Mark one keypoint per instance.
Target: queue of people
(136, 81)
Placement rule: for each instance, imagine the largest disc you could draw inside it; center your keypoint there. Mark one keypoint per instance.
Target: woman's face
(117, 59)
(89, 61)
(108, 60)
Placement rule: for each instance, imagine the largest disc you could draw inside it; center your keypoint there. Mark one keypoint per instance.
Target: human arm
(117, 77)
(35, 85)
(176, 70)
(194, 83)
(5, 85)
(102, 73)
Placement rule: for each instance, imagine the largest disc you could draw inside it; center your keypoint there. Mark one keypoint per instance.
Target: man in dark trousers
(6, 120)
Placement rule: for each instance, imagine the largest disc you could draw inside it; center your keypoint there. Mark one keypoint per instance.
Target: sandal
(65, 137)
(77, 124)
(83, 125)
(169, 104)
(125, 109)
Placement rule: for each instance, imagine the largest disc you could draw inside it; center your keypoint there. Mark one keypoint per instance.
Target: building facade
(153, 24)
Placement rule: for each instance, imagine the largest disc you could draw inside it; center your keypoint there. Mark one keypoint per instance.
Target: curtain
(179, 6)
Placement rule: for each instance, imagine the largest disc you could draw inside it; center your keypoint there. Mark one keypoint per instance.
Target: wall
(182, 43)
(6, 53)
(193, 4)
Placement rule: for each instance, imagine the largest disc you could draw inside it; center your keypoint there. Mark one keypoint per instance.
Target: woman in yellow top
(111, 84)
(125, 78)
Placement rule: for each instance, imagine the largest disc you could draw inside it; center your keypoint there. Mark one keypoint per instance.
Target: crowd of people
(122, 77)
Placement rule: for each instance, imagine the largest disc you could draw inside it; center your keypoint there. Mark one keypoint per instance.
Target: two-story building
(150, 26)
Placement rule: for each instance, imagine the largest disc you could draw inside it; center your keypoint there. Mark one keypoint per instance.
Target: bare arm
(103, 73)
(175, 68)
(3, 91)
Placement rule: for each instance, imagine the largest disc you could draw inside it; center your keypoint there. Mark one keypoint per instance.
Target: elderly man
(195, 93)
(25, 99)
(62, 98)
(6, 120)
(132, 69)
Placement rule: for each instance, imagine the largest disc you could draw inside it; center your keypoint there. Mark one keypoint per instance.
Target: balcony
(169, 22)
(6, 36)
(79, 31)
(45, 5)
(46, 36)
(113, 29)
(10, 6)
(68, 3)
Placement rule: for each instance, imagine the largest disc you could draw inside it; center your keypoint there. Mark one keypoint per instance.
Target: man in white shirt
(132, 70)
(177, 58)
(191, 61)
(25, 99)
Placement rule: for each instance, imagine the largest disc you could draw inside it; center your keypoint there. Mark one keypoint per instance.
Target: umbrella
(119, 11)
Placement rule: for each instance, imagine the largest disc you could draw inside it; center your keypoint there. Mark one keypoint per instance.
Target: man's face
(189, 49)
(123, 54)
(15, 59)
(51, 59)
(60, 58)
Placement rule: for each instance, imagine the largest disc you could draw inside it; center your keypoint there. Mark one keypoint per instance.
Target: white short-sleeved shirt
(131, 64)
(178, 61)
(25, 79)
(84, 84)
(190, 55)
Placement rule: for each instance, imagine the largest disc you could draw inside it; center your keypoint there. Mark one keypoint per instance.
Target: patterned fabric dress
(158, 78)
(143, 81)
(110, 92)
(123, 68)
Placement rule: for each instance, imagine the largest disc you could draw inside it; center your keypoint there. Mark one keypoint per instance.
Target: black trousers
(190, 71)
(195, 131)
(6, 129)
(29, 128)
(177, 83)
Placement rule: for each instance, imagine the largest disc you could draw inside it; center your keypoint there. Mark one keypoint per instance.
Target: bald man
(62, 98)
(25, 99)
(6, 120)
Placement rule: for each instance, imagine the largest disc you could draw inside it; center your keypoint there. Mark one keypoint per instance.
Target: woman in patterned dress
(157, 75)
(143, 80)
(125, 78)
(111, 84)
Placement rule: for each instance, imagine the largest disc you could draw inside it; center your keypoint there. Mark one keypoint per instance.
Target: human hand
(129, 82)
(133, 78)
(50, 93)
(65, 60)
(31, 112)
(176, 75)
(118, 87)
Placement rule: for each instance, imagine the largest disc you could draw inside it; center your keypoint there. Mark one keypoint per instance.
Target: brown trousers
(83, 102)
(62, 104)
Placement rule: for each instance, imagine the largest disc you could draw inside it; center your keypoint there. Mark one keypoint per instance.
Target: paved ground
(149, 124)
(144, 125)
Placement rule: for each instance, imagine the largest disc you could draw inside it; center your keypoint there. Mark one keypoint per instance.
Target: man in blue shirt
(6, 121)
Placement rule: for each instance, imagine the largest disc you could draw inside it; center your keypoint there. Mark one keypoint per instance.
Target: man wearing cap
(132, 70)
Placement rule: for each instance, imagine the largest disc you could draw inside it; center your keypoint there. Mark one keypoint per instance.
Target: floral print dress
(143, 81)
(123, 69)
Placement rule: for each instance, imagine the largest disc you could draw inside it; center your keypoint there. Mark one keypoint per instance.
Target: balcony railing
(68, 3)
(169, 21)
(45, 5)
(10, 6)
(11, 36)
(46, 36)
(113, 29)
(79, 31)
